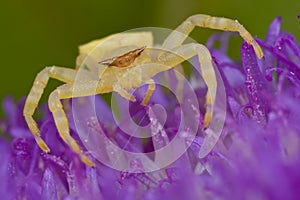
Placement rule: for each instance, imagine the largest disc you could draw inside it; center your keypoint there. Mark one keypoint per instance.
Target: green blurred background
(35, 33)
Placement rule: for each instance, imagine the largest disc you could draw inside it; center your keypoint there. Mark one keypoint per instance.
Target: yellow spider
(126, 72)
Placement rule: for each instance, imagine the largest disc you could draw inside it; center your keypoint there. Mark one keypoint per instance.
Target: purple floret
(256, 157)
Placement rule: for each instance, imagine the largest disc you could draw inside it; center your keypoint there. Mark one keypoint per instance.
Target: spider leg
(79, 90)
(40, 82)
(178, 36)
(124, 93)
(187, 51)
(64, 92)
(150, 90)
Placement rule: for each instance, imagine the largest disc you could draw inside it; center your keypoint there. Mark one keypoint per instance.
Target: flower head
(256, 157)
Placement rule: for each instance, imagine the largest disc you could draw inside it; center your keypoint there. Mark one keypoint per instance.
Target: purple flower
(256, 157)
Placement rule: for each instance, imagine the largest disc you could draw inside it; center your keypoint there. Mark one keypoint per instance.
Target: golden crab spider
(127, 71)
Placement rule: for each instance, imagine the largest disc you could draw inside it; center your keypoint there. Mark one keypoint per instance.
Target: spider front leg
(120, 88)
(81, 89)
(64, 92)
(178, 36)
(123, 92)
(184, 52)
(40, 82)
